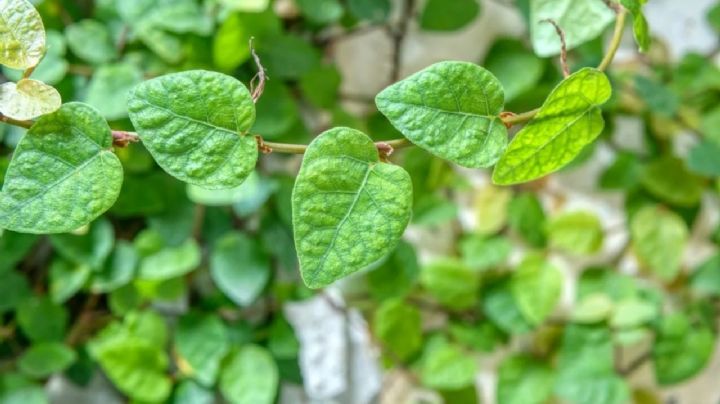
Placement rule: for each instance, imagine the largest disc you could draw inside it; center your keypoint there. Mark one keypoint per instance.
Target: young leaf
(536, 286)
(250, 377)
(137, 368)
(580, 20)
(196, 124)
(28, 99)
(349, 209)
(22, 35)
(447, 367)
(452, 283)
(640, 25)
(451, 110)
(239, 268)
(568, 120)
(659, 237)
(62, 175)
(397, 325)
(577, 232)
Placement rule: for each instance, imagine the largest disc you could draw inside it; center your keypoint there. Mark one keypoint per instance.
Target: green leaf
(576, 232)
(250, 376)
(517, 69)
(277, 111)
(246, 5)
(568, 120)
(201, 341)
(119, 269)
(288, 57)
(640, 25)
(90, 40)
(398, 327)
(321, 12)
(90, 249)
(592, 308)
(28, 99)
(482, 254)
(282, 341)
(137, 369)
(16, 389)
(633, 312)
(22, 35)
(501, 307)
(13, 248)
(231, 44)
(681, 349)
(451, 110)
(491, 209)
(659, 98)
(623, 173)
(239, 268)
(705, 278)
(370, 10)
(451, 282)
(52, 68)
(41, 320)
(189, 392)
(171, 262)
(62, 175)
(668, 179)
(447, 367)
(14, 289)
(702, 158)
(396, 276)
(110, 86)
(349, 209)
(527, 217)
(44, 359)
(195, 124)
(536, 286)
(658, 239)
(321, 86)
(581, 21)
(442, 15)
(66, 280)
(523, 380)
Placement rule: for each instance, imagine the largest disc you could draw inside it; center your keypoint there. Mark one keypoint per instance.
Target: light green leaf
(481, 254)
(28, 99)
(349, 209)
(451, 110)
(90, 40)
(62, 175)
(491, 209)
(581, 21)
(231, 43)
(201, 341)
(502, 308)
(633, 312)
(705, 279)
(52, 68)
(576, 232)
(447, 367)
(16, 389)
(239, 268)
(398, 327)
(110, 86)
(44, 359)
(90, 249)
(189, 392)
(523, 380)
(137, 369)
(195, 125)
(41, 320)
(658, 238)
(568, 120)
(451, 282)
(443, 15)
(22, 35)
(517, 69)
(527, 217)
(171, 262)
(255, 6)
(370, 10)
(321, 12)
(668, 179)
(66, 280)
(536, 287)
(592, 308)
(702, 158)
(119, 269)
(250, 376)
(681, 349)
(640, 25)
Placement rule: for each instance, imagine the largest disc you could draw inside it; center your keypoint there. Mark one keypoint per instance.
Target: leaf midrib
(204, 123)
(446, 111)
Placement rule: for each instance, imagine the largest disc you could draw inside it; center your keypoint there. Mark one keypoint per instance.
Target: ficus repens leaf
(451, 110)
(28, 99)
(568, 120)
(22, 35)
(195, 125)
(349, 209)
(63, 174)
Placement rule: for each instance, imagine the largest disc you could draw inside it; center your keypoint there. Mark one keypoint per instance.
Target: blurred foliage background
(560, 290)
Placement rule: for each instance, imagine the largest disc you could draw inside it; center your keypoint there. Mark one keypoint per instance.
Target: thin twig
(563, 47)
(257, 84)
(615, 41)
(122, 138)
(398, 37)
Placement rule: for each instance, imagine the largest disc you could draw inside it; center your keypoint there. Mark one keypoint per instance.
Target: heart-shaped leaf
(349, 209)
(568, 120)
(62, 175)
(195, 124)
(28, 99)
(451, 110)
(22, 35)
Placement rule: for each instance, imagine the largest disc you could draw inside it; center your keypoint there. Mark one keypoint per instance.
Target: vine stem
(121, 138)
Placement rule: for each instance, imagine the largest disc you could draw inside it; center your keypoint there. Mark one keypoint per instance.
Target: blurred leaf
(321, 12)
(118, 271)
(110, 87)
(501, 308)
(640, 25)
(703, 159)
(288, 56)
(239, 268)
(460, 95)
(90, 249)
(28, 99)
(517, 69)
(705, 278)
(570, 119)
(526, 217)
(633, 312)
(447, 367)
(440, 15)
(581, 21)
(250, 376)
(137, 369)
(681, 349)
(593, 308)
(23, 35)
(66, 279)
(452, 283)
(231, 44)
(536, 286)
(41, 320)
(170, 262)
(44, 359)
(16, 389)
(189, 392)
(397, 326)
(491, 206)
(13, 247)
(90, 40)
(321, 85)
(14, 289)
(375, 11)
(523, 380)
(623, 173)
(396, 276)
(282, 342)
(659, 238)
(201, 342)
(277, 111)
(481, 254)
(576, 232)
